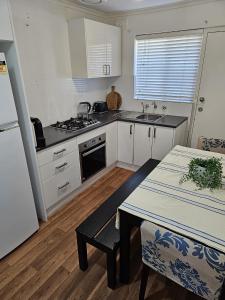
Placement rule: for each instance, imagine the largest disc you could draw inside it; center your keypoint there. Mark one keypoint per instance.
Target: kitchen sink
(149, 117)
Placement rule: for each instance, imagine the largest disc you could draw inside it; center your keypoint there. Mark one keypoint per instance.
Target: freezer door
(18, 219)
(8, 112)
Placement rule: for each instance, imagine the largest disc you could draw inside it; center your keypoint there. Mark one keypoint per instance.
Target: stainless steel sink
(149, 117)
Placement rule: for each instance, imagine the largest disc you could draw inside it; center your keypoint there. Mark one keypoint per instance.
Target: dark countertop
(55, 136)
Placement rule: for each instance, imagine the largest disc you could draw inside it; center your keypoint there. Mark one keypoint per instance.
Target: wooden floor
(46, 266)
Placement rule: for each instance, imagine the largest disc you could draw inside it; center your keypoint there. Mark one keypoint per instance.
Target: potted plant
(205, 173)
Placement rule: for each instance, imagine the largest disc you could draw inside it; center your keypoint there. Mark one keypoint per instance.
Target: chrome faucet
(144, 107)
(155, 106)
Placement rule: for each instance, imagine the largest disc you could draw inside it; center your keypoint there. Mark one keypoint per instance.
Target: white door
(209, 119)
(125, 142)
(142, 144)
(7, 110)
(162, 142)
(113, 50)
(111, 143)
(18, 219)
(5, 25)
(96, 44)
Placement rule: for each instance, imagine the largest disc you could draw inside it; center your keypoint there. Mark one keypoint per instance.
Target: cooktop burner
(74, 124)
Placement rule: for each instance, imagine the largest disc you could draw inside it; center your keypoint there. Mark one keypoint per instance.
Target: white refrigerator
(18, 218)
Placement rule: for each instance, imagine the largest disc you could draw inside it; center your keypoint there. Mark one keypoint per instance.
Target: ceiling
(125, 5)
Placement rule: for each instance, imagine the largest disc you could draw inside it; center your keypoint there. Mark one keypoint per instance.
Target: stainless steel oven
(92, 156)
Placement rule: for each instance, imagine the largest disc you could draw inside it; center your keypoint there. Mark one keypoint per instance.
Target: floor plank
(46, 265)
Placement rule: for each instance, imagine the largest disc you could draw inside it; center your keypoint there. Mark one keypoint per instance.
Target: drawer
(60, 186)
(58, 167)
(57, 152)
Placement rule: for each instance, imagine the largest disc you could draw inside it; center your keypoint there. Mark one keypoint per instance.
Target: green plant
(205, 173)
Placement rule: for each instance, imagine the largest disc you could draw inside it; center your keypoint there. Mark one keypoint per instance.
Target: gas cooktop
(75, 124)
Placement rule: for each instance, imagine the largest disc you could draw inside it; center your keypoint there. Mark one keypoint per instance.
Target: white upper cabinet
(95, 49)
(113, 37)
(5, 24)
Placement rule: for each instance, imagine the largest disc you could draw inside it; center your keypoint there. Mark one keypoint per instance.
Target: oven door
(92, 161)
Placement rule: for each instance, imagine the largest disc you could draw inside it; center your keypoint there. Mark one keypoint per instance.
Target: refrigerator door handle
(9, 126)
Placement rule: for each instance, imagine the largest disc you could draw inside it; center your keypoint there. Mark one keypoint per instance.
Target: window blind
(166, 69)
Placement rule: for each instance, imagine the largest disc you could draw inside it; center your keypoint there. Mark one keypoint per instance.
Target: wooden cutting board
(114, 99)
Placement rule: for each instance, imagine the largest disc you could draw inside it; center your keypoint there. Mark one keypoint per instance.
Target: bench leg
(111, 269)
(82, 252)
(144, 281)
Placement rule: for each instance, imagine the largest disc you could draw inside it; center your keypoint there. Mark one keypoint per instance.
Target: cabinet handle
(149, 132)
(131, 129)
(105, 70)
(62, 166)
(63, 186)
(59, 152)
(109, 72)
(154, 133)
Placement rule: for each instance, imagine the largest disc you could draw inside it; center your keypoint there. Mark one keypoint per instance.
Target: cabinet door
(111, 143)
(162, 142)
(5, 25)
(125, 142)
(113, 50)
(96, 48)
(142, 144)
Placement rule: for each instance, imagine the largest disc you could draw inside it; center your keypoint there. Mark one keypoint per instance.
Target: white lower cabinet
(111, 143)
(162, 142)
(137, 143)
(125, 142)
(54, 154)
(58, 167)
(142, 144)
(60, 171)
(60, 186)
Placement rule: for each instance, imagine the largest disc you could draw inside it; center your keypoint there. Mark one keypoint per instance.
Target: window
(166, 67)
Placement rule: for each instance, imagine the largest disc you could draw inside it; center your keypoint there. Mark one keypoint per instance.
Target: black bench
(99, 228)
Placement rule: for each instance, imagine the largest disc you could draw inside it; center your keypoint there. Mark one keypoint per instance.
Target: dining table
(161, 198)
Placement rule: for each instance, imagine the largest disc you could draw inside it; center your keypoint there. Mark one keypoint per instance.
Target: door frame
(202, 63)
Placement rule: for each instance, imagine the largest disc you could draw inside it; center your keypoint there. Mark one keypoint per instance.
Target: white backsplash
(42, 34)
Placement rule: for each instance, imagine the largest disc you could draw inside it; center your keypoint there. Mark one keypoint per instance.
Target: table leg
(222, 295)
(82, 252)
(125, 232)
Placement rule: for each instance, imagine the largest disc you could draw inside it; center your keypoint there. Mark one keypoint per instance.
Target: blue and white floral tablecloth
(188, 263)
(197, 214)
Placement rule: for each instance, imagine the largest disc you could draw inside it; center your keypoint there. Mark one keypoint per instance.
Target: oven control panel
(92, 143)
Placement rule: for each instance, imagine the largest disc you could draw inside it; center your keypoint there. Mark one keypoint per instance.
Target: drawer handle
(149, 132)
(63, 186)
(59, 152)
(62, 166)
(93, 150)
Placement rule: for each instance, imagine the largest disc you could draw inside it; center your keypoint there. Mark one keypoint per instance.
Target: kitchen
(63, 60)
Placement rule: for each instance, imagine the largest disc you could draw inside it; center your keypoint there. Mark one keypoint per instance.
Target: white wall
(42, 35)
(157, 21)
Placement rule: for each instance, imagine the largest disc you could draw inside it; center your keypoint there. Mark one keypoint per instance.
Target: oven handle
(93, 150)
